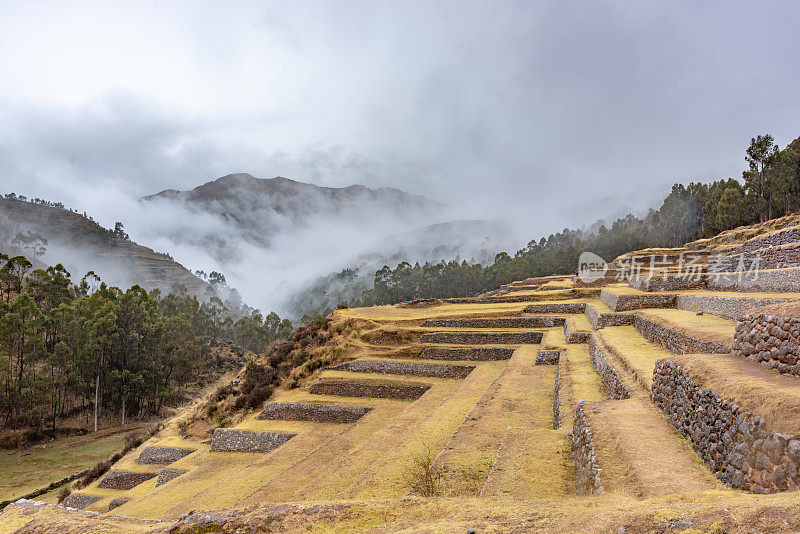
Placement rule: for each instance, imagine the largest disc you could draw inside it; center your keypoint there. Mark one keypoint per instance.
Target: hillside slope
(83, 245)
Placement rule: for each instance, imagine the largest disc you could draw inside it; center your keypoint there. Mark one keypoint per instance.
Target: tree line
(769, 188)
(90, 349)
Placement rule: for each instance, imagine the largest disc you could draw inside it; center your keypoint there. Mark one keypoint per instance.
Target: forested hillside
(769, 188)
(83, 348)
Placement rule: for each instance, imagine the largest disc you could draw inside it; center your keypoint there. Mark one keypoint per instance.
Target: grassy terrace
(640, 452)
(467, 459)
(705, 327)
(578, 382)
(636, 353)
(774, 397)
(502, 465)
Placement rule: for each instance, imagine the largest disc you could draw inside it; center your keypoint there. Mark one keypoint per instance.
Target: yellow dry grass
(522, 397)
(579, 381)
(531, 463)
(637, 355)
(705, 327)
(641, 454)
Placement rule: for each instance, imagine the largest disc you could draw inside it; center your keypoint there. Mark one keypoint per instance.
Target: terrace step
(236, 440)
(483, 338)
(124, 480)
(376, 468)
(155, 455)
(482, 354)
(579, 381)
(742, 419)
(616, 382)
(635, 354)
(624, 299)
(531, 463)
(79, 501)
(684, 332)
(165, 475)
(370, 389)
(599, 318)
(727, 306)
(496, 322)
(405, 368)
(467, 459)
(318, 413)
(638, 452)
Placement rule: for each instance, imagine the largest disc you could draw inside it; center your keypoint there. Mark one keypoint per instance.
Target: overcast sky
(553, 111)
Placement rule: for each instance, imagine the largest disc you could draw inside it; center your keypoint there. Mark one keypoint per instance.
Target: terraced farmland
(563, 411)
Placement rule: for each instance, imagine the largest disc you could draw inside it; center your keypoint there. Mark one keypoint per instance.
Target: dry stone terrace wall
(602, 320)
(609, 378)
(675, 341)
(668, 283)
(778, 281)
(481, 354)
(782, 237)
(635, 302)
(124, 480)
(405, 368)
(587, 474)
(79, 501)
(773, 341)
(165, 475)
(153, 455)
(318, 413)
(496, 322)
(547, 357)
(370, 390)
(482, 338)
(729, 307)
(735, 444)
(116, 503)
(575, 337)
(561, 307)
(233, 440)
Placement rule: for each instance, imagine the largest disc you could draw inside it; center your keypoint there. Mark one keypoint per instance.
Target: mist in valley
(509, 126)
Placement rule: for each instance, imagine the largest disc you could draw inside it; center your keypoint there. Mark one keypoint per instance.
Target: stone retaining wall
(778, 281)
(729, 307)
(482, 338)
(165, 475)
(318, 413)
(601, 320)
(635, 302)
(79, 501)
(610, 379)
(370, 390)
(782, 237)
(587, 474)
(773, 341)
(564, 307)
(676, 341)
(153, 455)
(668, 283)
(575, 337)
(124, 480)
(734, 443)
(233, 440)
(483, 354)
(547, 357)
(557, 397)
(116, 503)
(405, 368)
(496, 322)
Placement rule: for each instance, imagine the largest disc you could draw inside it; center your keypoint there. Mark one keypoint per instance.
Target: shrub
(424, 477)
